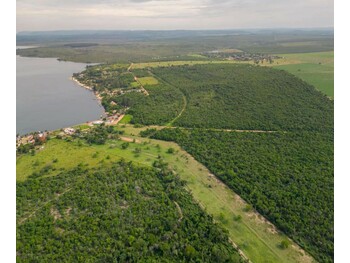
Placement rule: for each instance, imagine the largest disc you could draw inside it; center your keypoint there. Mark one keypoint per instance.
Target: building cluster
(252, 57)
(69, 131)
(33, 138)
(241, 56)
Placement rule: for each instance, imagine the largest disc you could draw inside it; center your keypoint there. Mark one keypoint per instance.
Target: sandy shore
(81, 84)
(97, 94)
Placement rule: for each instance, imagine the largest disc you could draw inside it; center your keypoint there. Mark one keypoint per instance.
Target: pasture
(316, 69)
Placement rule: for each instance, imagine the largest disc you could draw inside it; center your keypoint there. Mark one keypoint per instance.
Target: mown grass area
(320, 76)
(148, 81)
(126, 119)
(256, 237)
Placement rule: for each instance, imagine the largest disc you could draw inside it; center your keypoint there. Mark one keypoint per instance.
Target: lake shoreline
(56, 101)
(97, 94)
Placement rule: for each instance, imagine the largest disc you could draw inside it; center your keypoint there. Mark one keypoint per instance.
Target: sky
(38, 15)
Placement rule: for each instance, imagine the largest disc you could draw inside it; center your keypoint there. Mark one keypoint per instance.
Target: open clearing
(256, 237)
(316, 69)
(148, 81)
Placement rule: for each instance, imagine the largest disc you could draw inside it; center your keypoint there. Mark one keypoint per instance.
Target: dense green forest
(286, 176)
(162, 105)
(247, 97)
(122, 213)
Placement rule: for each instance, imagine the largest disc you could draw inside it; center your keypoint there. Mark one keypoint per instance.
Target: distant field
(180, 63)
(155, 46)
(316, 69)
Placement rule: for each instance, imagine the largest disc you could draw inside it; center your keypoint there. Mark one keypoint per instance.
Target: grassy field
(126, 119)
(316, 69)
(148, 81)
(257, 238)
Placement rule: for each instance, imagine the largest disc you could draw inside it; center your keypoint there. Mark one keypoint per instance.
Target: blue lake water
(46, 97)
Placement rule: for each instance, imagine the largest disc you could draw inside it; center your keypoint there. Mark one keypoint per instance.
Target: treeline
(122, 213)
(287, 177)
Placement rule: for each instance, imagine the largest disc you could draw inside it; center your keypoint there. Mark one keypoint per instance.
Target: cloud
(171, 14)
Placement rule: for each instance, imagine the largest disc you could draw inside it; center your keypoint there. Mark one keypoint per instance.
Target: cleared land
(314, 68)
(148, 81)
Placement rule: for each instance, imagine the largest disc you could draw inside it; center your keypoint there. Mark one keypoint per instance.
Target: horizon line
(165, 30)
